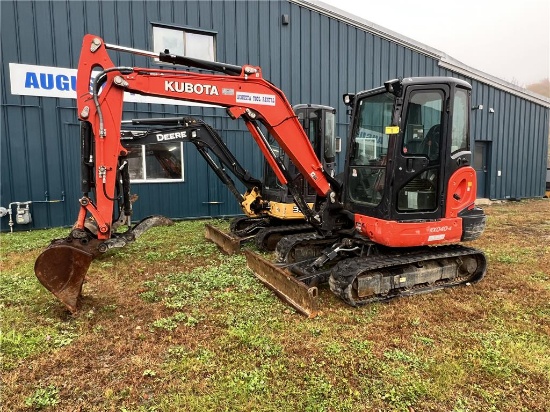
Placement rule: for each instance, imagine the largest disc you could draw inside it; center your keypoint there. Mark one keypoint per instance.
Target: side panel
(408, 234)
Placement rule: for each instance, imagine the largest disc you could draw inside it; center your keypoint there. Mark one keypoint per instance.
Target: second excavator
(278, 215)
(269, 209)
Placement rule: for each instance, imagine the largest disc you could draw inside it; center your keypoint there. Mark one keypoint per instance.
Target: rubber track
(345, 272)
(261, 238)
(252, 224)
(287, 243)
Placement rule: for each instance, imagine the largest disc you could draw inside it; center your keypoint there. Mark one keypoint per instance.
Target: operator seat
(430, 144)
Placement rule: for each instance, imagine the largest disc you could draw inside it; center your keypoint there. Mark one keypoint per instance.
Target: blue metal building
(310, 50)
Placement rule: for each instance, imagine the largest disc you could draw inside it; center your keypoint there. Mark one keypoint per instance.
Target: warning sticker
(256, 98)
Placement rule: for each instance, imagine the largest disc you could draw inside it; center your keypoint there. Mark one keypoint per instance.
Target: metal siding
(5, 160)
(253, 34)
(500, 150)
(264, 53)
(332, 41)
(324, 63)
(522, 155)
(314, 59)
(276, 32)
(360, 60)
(508, 163)
(304, 59)
(350, 39)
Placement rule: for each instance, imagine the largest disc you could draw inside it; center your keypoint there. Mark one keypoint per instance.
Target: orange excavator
(407, 184)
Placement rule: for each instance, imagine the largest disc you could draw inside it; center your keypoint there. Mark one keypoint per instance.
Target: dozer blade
(61, 268)
(289, 289)
(227, 243)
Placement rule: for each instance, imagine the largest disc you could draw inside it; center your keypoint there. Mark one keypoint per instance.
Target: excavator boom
(206, 141)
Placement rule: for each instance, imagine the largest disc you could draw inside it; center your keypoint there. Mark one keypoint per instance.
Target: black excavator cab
(319, 123)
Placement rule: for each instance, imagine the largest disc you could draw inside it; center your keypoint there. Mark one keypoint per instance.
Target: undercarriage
(361, 272)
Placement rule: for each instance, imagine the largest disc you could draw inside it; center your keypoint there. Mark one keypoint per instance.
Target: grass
(169, 323)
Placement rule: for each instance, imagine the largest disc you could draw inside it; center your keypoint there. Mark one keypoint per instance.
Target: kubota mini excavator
(407, 183)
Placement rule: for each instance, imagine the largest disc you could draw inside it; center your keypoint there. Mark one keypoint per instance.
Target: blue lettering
(62, 82)
(31, 81)
(46, 81)
(49, 81)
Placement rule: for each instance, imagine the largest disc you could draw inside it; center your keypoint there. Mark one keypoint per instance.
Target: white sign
(47, 81)
(256, 98)
(28, 80)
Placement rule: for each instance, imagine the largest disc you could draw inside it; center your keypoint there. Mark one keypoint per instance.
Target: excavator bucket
(295, 293)
(227, 243)
(63, 265)
(61, 268)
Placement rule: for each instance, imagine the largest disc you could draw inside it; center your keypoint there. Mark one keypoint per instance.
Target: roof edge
(369, 26)
(456, 66)
(445, 61)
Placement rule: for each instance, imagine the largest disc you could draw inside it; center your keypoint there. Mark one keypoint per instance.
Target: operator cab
(407, 140)
(319, 124)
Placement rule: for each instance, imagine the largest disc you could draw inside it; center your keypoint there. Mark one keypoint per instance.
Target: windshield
(367, 174)
(370, 143)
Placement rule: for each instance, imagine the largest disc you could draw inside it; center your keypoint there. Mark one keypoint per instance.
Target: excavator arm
(62, 267)
(246, 95)
(207, 141)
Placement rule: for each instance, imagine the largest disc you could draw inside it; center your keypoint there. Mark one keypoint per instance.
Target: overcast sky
(509, 39)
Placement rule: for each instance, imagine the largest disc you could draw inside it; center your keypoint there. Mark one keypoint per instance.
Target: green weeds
(19, 242)
(169, 323)
(172, 322)
(43, 398)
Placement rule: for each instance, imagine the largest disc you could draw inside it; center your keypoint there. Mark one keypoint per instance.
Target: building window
(184, 42)
(156, 163)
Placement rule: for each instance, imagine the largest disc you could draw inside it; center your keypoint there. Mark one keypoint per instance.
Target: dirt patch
(159, 330)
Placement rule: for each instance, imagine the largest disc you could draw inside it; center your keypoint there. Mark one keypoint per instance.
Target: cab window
(422, 130)
(367, 174)
(459, 138)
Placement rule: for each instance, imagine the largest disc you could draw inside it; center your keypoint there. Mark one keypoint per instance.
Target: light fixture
(348, 99)
(491, 110)
(479, 107)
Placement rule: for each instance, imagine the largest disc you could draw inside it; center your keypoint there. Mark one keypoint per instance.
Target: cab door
(418, 180)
